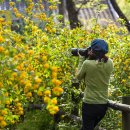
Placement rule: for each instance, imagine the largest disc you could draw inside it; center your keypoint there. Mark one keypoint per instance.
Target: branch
(84, 2)
(120, 13)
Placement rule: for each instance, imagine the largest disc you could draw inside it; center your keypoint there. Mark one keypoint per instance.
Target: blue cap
(99, 45)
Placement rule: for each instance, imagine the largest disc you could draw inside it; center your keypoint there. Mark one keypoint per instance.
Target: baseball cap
(99, 45)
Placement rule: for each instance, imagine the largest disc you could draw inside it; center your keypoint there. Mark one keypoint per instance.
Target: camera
(82, 52)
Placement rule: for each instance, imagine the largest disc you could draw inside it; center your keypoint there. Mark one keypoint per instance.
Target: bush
(37, 66)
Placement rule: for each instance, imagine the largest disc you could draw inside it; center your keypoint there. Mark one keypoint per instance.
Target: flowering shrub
(37, 66)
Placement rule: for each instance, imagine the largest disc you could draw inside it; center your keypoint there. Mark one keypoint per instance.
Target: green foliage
(112, 120)
(36, 120)
(90, 4)
(125, 6)
(26, 66)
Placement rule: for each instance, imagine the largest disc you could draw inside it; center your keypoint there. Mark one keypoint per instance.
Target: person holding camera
(95, 69)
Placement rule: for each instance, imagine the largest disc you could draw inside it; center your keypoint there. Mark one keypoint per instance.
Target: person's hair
(98, 55)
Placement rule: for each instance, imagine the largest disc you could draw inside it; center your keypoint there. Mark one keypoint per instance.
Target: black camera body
(82, 52)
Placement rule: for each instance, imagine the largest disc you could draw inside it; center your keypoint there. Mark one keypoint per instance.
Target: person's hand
(79, 54)
(90, 52)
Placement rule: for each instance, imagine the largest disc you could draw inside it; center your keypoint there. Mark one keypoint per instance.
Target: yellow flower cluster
(52, 7)
(26, 66)
(52, 109)
(57, 91)
(1, 49)
(2, 120)
(19, 109)
(1, 84)
(11, 4)
(36, 64)
(1, 39)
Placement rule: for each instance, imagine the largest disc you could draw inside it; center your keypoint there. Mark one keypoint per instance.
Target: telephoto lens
(74, 51)
(82, 52)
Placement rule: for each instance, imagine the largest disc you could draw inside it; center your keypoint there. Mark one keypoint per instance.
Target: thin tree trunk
(120, 13)
(61, 10)
(72, 14)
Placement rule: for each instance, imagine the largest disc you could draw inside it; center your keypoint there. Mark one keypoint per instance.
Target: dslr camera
(82, 52)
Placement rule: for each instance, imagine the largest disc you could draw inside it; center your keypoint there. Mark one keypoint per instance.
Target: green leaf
(41, 89)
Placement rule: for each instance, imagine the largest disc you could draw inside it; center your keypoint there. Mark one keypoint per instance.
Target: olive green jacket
(96, 76)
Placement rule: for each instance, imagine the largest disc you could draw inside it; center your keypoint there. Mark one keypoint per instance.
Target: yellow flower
(21, 55)
(52, 7)
(56, 109)
(57, 91)
(49, 107)
(56, 82)
(1, 84)
(3, 124)
(60, 90)
(45, 39)
(54, 75)
(29, 94)
(20, 67)
(38, 80)
(34, 28)
(123, 80)
(47, 92)
(41, 6)
(15, 10)
(4, 112)
(2, 20)
(6, 94)
(39, 93)
(46, 66)
(20, 112)
(26, 89)
(30, 52)
(36, 86)
(23, 75)
(30, 1)
(119, 124)
(20, 108)
(52, 112)
(11, 4)
(1, 49)
(54, 69)
(28, 85)
(46, 99)
(1, 118)
(54, 101)
(44, 58)
(18, 104)
(52, 109)
(7, 102)
(22, 82)
(14, 75)
(6, 52)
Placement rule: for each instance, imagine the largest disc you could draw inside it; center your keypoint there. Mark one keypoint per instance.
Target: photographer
(95, 69)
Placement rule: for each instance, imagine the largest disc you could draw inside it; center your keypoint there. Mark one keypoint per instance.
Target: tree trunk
(61, 10)
(72, 14)
(120, 13)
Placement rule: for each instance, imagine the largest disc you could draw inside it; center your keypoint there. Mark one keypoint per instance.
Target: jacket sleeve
(81, 69)
(81, 60)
